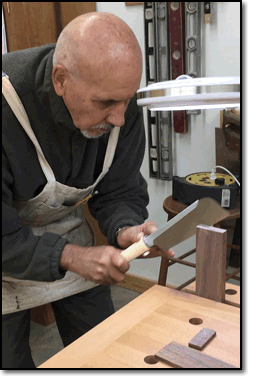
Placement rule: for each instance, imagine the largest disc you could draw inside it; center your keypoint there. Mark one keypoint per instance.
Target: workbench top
(147, 324)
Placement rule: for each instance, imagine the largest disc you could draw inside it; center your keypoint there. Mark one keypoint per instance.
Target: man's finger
(116, 276)
(149, 227)
(121, 263)
(138, 236)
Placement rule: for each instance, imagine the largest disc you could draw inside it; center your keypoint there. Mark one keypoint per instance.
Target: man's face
(97, 107)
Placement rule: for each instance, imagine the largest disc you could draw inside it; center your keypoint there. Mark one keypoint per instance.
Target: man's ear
(59, 79)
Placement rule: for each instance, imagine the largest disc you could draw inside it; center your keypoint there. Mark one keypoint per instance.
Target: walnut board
(181, 356)
(202, 339)
(147, 324)
(211, 248)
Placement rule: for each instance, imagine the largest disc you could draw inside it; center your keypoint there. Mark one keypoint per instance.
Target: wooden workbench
(232, 293)
(147, 324)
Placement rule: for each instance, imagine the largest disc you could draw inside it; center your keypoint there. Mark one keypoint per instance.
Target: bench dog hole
(150, 360)
(230, 292)
(196, 321)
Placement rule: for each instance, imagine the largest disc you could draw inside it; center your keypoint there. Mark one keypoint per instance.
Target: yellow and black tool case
(223, 189)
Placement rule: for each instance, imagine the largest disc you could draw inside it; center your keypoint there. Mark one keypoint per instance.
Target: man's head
(97, 68)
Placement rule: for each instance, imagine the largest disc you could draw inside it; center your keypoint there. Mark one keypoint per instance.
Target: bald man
(72, 133)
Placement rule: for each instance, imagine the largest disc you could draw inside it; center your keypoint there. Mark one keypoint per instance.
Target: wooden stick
(181, 257)
(234, 304)
(231, 275)
(233, 246)
(185, 284)
(184, 262)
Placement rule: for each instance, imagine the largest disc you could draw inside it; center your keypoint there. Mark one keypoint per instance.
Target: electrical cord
(213, 173)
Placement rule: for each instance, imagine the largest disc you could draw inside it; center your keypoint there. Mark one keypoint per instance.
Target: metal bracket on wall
(158, 69)
(193, 43)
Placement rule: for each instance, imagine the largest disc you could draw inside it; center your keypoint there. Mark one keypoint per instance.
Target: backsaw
(205, 211)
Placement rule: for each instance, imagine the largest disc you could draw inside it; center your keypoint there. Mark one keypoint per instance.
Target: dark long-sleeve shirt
(75, 160)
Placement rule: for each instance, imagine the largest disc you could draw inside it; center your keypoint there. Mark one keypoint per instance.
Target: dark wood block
(181, 356)
(202, 339)
(211, 245)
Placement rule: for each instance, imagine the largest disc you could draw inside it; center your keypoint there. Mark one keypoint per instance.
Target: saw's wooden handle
(135, 250)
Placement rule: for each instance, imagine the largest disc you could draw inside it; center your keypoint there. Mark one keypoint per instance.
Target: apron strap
(111, 148)
(110, 152)
(17, 107)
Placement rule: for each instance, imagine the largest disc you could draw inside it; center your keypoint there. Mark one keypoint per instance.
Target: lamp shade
(186, 93)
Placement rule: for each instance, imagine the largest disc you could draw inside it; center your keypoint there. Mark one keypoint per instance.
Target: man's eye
(107, 103)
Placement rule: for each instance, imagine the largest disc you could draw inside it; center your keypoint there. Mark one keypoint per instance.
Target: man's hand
(101, 265)
(129, 235)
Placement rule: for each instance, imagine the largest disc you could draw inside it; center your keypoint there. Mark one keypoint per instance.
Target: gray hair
(67, 53)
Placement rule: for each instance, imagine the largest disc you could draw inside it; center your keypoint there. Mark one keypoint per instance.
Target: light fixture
(187, 93)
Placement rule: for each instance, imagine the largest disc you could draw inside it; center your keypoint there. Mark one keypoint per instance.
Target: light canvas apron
(57, 209)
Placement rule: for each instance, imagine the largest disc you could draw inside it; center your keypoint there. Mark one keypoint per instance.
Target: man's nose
(116, 115)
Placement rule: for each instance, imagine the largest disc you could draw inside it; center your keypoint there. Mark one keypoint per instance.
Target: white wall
(195, 150)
